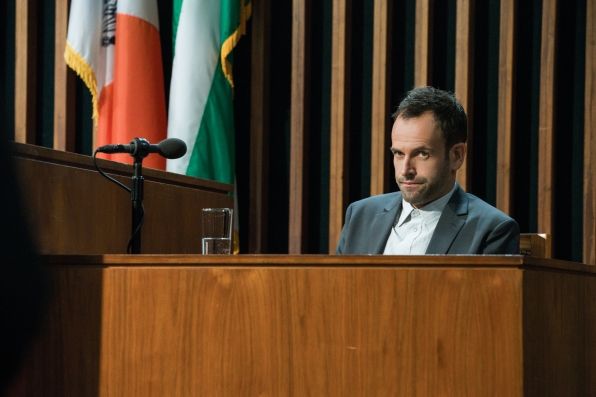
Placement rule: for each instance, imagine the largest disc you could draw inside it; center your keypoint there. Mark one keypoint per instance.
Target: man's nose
(407, 168)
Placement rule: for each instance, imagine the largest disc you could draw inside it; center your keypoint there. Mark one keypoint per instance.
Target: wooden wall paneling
(559, 333)
(25, 76)
(71, 209)
(505, 105)
(64, 84)
(259, 126)
(380, 113)
(464, 76)
(298, 125)
(422, 54)
(546, 118)
(69, 331)
(589, 243)
(339, 120)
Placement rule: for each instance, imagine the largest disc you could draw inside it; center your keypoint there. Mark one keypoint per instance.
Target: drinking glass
(217, 231)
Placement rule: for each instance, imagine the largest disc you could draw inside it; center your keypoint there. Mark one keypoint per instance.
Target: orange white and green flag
(114, 46)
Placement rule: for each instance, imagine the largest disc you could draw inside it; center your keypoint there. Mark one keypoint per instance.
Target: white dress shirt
(415, 227)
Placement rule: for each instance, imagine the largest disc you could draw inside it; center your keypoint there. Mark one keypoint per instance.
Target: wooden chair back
(535, 244)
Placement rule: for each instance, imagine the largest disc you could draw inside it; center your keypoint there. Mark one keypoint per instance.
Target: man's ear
(457, 154)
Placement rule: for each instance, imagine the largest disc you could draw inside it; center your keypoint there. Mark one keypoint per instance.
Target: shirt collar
(435, 206)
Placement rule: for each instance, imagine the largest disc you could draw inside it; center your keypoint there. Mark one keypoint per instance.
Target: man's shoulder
(479, 207)
(378, 201)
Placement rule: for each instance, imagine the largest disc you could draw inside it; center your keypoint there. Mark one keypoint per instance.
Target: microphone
(170, 148)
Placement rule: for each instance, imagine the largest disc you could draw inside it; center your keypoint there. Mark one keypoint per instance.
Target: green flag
(201, 108)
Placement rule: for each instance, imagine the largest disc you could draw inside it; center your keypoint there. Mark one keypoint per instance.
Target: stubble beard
(427, 191)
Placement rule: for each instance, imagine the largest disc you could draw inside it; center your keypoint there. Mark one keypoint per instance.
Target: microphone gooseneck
(139, 148)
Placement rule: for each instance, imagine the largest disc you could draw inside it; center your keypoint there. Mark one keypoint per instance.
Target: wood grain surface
(303, 332)
(64, 84)
(64, 360)
(546, 133)
(380, 112)
(422, 48)
(73, 209)
(559, 334)
(535, 244)
(25, 76)
(248, 325)
(505, 105)
(464, 78)
(514, 261)
(298, 124)
(339, 123)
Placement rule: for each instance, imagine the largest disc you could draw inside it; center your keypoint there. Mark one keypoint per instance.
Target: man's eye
(424, 155)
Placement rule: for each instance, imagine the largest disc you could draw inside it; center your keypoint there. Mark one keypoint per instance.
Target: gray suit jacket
(467, 225)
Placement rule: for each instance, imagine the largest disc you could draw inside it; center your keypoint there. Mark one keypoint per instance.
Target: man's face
(424, 170)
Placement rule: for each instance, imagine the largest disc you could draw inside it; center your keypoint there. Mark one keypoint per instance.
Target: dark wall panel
(525, 134)
(486, 62)
(569, 123)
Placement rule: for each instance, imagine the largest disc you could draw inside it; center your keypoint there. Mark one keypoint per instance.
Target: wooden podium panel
(74, 210)
(316, 325)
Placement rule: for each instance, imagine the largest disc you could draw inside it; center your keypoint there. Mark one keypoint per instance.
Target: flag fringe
(77, 63)
(230, 43)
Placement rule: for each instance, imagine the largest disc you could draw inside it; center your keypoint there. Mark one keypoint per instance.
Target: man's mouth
(410, 183)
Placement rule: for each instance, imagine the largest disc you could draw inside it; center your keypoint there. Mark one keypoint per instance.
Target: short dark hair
(449, 114)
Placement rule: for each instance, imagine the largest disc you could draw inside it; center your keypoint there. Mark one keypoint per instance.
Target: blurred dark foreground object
(23, 283)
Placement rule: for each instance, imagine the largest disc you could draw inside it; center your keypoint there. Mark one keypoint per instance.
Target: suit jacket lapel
(450, 223)
(382, 223)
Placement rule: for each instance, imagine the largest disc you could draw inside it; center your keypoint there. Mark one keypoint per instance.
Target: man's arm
(503, 240)
(342, 237)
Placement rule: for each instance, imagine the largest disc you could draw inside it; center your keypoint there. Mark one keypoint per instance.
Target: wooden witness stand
(192, 325)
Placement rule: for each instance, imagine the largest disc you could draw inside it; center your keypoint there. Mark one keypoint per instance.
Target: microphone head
(172, 148)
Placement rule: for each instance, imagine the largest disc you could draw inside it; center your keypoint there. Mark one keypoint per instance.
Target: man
(430, 214)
